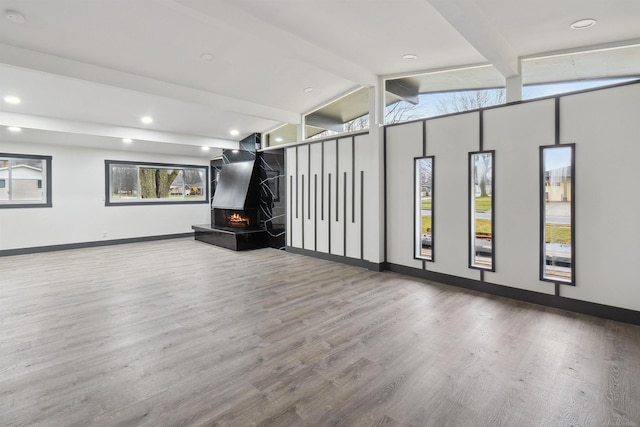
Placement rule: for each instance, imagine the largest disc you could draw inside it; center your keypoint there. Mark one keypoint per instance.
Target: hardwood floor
(179, 332)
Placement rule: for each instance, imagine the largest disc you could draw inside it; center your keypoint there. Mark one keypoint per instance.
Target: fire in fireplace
(245, 219)
(237, 220)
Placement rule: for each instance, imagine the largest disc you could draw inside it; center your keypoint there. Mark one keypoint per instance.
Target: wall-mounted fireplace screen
(423, 184)
(557, 213)
(481, 191)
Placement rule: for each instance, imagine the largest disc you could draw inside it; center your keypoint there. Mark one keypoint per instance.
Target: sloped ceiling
(204, 67)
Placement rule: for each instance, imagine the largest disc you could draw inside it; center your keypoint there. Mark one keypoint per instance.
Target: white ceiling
(94, 67)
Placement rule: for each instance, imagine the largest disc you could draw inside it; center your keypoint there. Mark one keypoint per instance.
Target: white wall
(403, 144)
(605, 127)
(449, 140)
(333, 226)
(79, 214)
(516, 133)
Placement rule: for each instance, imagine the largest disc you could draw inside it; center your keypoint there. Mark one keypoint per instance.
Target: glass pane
(557, 212)
(194, 183)
(442, 92)
(124, 182)
(159, 183)
(177, 187)
(424, 207)
(481, 209)
(4, 179)
(23, 180)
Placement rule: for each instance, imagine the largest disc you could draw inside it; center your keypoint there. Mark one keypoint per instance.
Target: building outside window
(25, 181)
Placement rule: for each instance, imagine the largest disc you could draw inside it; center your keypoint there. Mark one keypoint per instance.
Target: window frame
(542, 185)
(144, 202)
(417, 211)
(46, 182)
(471, 211)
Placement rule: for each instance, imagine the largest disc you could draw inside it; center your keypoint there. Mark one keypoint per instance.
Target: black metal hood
(237, 187)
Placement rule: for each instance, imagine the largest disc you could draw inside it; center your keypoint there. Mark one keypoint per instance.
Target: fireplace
(235, 218)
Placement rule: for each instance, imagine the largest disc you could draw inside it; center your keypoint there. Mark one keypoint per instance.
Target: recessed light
(234, 132)
(278, 139)
(14, 129)
(147, 120)
(308, 89)
(583, 24)
(205, 148)
(14, 16)
(409, 56)
(127, 140)
(206, 56)
(10, 99)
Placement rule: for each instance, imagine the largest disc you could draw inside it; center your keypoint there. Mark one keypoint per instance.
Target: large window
(481, 213)
(557, 213)
(25, 181)
(442, 92)
(349, 113)
(424, 207)
(144, 183)
(552, 74)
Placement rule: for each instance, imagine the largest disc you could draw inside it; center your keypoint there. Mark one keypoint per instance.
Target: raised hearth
(231, 238)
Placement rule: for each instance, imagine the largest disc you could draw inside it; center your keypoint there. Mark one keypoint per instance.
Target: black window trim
(107, 184)
(417, 219)
(543, 252)
(471, 215)
(48, 203)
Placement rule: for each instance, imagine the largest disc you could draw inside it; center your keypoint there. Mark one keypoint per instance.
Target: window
(424, 207)
(557, 213)
(349, 113)
(442, 92)
(155, 183)
(554, 74)
(481, 213)
(283, 134)
(549, 89)
(25, 181)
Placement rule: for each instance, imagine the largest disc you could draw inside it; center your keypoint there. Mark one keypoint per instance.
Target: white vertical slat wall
(339, 178)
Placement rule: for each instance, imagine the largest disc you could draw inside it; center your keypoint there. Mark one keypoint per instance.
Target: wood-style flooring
(179, 332)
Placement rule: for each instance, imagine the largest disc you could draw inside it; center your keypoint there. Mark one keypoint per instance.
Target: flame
(236, 218)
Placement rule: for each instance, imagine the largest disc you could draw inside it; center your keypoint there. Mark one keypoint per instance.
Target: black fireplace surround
(235, 215)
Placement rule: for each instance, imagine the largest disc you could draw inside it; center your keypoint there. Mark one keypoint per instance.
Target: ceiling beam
(56, 65)
(466, 17)
(82, 128)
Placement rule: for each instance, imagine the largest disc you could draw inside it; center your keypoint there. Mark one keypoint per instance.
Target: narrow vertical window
(557, 213)
(423, 182)
(481, 191)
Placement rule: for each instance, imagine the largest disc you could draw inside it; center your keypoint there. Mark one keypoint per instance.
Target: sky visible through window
(441, 103)
(550, 89)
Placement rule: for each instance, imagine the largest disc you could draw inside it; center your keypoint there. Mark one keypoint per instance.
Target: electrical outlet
(105, 234)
